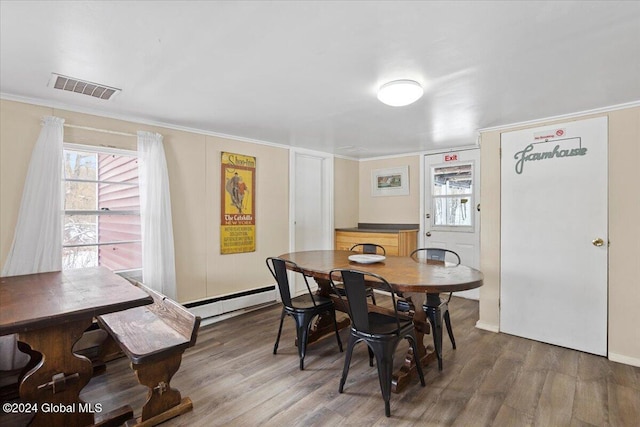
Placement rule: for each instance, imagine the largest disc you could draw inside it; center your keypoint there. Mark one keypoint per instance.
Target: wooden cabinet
(395, 242)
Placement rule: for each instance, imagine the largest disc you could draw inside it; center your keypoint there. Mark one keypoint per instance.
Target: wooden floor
(491, 379)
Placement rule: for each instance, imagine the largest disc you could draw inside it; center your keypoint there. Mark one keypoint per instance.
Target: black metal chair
(437, 308)
(303, 309)
(368, 248)
(365, 248)
(381, 332)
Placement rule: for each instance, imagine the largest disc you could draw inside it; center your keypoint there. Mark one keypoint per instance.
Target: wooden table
(406, 275)
(49, 312)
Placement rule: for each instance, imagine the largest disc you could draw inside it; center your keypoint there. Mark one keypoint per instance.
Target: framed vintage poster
(390, 182)
(238, 196)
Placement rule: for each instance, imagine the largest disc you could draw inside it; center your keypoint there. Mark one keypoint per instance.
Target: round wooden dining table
(420, 280)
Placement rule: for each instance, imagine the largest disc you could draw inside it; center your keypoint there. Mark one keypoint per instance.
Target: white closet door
(311, 205)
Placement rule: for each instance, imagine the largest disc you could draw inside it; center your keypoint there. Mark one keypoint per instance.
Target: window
(452, 195)
(102, 209)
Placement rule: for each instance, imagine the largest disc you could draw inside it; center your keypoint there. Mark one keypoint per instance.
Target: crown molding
(133, 119)
(563, 117)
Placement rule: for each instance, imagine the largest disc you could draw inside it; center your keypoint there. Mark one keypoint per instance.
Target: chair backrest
(368, 248)
(437, 254)
(354, 282)
(278, 269)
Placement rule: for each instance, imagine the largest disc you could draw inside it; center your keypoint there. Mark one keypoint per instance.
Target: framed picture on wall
(237, 202)
(390, 181)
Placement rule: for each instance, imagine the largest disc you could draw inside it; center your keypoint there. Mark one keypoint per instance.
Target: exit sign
(451, 157)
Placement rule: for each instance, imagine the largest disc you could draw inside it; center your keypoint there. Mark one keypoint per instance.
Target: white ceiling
(306, 73)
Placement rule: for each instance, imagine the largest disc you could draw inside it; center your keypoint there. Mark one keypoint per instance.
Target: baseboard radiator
(213, 310)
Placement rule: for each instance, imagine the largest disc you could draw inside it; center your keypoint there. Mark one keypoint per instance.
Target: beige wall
(390, 209)
(346, 192)
(193, 161)
(194, 172)
(230, 273)
(624, 233)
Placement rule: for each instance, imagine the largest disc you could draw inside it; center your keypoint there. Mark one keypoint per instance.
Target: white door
(311, 212)
(554, 234)
(452, 197)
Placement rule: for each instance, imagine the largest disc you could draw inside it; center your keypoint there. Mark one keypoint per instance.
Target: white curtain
(158, 259)
(37, 241)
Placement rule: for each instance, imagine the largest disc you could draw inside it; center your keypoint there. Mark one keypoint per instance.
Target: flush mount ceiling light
(400, 92)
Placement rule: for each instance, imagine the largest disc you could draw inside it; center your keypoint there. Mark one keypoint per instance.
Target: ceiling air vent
(81, 86)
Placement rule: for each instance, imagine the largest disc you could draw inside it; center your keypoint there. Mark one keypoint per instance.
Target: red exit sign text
(451, 157)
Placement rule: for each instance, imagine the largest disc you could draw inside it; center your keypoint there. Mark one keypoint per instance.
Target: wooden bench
(154, 337)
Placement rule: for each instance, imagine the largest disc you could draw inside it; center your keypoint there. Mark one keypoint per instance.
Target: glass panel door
(452, 197)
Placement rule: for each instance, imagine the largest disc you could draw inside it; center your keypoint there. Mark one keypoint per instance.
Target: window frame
(470, 196)
(98, 149)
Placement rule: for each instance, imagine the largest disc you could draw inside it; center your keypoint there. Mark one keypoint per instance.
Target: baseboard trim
(620, 358)
(487, 326)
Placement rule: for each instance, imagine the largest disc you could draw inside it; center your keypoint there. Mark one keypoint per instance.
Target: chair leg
(373, 297)
(303, 323)
(413, 342)
(347, 361)
(447, 322)
(335, 324)
(275, 347)
(434, 313)
(371, 356)
(384, 361)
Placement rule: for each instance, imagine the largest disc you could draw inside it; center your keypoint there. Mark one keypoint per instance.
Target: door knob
(597, 242)
(428, 234)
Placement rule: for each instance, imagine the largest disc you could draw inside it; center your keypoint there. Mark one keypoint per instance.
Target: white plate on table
(366, 258)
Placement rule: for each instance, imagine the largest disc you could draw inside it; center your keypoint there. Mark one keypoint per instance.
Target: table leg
(323, 324)
(426, 355)
(55, 383)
